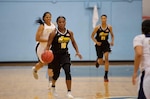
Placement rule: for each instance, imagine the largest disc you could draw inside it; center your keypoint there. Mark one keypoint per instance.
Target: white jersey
(47, 30)
(142, 40)
(45, 35)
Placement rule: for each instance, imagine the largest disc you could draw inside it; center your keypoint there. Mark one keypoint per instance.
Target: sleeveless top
(60, 42)
(102, 34)
(46, 32)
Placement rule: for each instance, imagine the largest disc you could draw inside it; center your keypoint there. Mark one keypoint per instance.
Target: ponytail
(39, 20)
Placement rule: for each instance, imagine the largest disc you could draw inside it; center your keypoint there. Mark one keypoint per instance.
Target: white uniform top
(142, 40)
(47, 30)
(45, 35)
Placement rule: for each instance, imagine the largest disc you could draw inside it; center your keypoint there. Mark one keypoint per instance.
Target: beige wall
(146, 9)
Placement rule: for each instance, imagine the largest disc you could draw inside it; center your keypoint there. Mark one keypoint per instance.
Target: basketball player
(141, 44)
(58, 41)
(101, 43)
(42, 34)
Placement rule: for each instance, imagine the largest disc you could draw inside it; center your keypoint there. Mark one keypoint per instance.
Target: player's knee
(67, 71)
(56, 75)
(106, 58)
(100, 61)
(68, 76)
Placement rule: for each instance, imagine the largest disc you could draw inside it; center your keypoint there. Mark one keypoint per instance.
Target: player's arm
(39, 33)
(93, 34)
(75, 45)
(137, 58)
(50, 39)
(112, 36)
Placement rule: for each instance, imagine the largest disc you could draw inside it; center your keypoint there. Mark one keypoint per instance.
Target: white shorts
(40, 47)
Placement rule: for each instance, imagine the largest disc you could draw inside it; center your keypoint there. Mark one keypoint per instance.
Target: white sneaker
(54, 91)
(69, 95)
(49, 85)
(35, 75)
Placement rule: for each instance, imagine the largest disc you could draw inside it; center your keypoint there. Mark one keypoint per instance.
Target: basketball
(47, 56)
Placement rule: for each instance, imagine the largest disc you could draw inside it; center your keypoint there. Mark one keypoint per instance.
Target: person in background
(101, 43)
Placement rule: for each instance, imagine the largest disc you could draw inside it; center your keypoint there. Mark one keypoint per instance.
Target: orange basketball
(47, 56)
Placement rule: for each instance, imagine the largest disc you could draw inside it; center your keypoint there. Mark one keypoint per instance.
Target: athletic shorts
(40, 47)
(59, 60)
(100, 50)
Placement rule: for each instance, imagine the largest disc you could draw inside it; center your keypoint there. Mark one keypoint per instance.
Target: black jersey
(102, 34)
(60, 42)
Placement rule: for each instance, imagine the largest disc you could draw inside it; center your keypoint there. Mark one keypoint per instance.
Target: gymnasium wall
(18, 28)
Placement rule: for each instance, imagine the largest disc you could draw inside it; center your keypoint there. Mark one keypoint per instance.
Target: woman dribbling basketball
(58, 41)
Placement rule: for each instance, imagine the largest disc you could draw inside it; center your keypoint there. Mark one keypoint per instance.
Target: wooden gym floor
(17, 82)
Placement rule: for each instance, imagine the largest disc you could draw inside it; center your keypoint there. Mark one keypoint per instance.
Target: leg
(50, 72)
(36, 68)
(66, 68)
(100, 61)
(39, 50)
(54, 73)
(106, 55)
(50, 75)
(39, 65)
(99, 53)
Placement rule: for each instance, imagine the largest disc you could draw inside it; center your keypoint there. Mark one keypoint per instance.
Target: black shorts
(59, 60)
(100, 50)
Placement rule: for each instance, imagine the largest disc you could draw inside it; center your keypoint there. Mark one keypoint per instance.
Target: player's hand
(134, 78)
(46, 48)
(79, 55)
(112, 43)
(98, 43)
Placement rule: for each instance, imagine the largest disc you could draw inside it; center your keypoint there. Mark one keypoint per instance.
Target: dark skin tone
(61, 27)
(106, 54)
(61, 22)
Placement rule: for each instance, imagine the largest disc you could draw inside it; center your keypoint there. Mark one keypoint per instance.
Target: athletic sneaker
(49, 85)
(54, 91)
(34, 73)
(69, 95)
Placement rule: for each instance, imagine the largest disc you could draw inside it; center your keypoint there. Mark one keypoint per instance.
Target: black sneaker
(97, 65)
